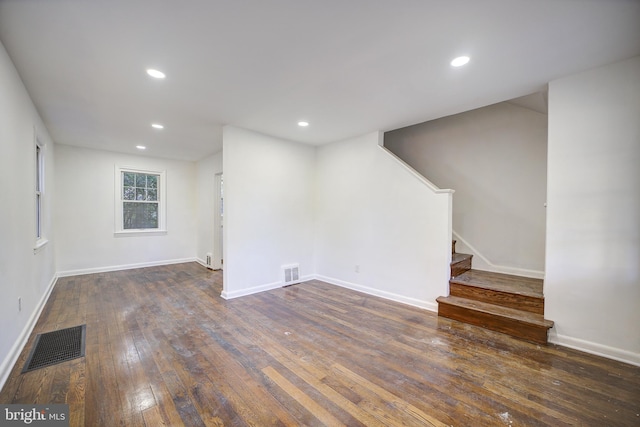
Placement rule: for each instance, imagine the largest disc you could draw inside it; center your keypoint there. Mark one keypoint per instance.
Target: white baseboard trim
(257, 289)
(14, 352)
(596, 349)
(123, 267)
(202, 263)
(427, 305)
(250, 291)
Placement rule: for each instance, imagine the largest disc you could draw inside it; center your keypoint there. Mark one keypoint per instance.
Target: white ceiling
(347, 66)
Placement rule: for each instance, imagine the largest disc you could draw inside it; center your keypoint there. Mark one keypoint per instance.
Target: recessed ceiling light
(155, 73)
(141, 147)
(459, 61)
(157, 126)
(303, 124)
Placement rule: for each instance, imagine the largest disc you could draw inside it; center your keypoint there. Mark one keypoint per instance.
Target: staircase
(504, 303)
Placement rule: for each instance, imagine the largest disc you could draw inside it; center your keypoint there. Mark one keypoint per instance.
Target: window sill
(131, 233)
(41, 243)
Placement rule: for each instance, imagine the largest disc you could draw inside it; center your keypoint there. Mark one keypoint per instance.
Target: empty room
(320, 213)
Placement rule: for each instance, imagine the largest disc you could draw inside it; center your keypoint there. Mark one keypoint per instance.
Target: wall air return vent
(291, 274)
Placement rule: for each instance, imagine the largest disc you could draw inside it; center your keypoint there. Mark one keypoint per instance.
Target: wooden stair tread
(501, 282)
(496, 310)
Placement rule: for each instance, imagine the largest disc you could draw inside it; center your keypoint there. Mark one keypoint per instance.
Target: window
(140, 201)
(39, 193)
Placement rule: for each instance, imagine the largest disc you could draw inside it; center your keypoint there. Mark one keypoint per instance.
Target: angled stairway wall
(380, 227)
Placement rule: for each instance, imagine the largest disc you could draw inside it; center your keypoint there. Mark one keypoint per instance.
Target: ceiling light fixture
(141, 147)
(156, 74)
(459, 61)
(303, 124)
(157, 126)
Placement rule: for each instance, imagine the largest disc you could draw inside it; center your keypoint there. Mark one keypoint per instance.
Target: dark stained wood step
(453, 246)
(502, 282)
(517, 292)
(517, 323)
(460, 263)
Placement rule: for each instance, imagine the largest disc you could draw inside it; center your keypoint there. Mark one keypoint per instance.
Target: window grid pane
(152, 181)
(38, 168)
(129, 179)
(38, 215)
(141, 180)
(129, 193)
(140, 194)
(140, 215)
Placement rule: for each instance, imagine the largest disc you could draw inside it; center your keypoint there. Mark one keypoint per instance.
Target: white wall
(23, 273)
(84, 212)
(207, 237)
(375, 213)
(495, 159)
(268, 189)
(592, 286)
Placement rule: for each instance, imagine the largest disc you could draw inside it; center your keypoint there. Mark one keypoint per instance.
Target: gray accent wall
(495, 159)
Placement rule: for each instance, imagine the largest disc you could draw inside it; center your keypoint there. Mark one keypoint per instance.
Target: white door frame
(218, 223)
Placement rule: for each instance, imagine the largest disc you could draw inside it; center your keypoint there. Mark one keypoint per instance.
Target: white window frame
(162, 203)
(39, 156)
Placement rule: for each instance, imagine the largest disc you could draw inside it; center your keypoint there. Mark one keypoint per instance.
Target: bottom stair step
(520, 324)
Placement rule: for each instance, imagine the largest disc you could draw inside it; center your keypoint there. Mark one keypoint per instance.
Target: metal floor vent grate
(56, 347)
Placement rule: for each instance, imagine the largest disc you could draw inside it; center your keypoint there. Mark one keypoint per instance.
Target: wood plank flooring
(164, 349)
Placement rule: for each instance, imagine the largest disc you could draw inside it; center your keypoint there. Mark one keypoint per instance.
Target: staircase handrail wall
(415, 173)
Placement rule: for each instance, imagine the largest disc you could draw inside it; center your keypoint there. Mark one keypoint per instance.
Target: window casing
(140, 201)
(39, 170)
(39, 179)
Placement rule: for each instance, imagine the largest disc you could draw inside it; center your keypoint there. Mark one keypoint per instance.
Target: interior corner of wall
(380, 138)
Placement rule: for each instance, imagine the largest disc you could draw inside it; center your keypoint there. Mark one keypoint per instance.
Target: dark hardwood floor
(162, 348)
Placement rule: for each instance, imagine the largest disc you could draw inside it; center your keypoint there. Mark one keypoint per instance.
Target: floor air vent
(291, 274)
(56, 347)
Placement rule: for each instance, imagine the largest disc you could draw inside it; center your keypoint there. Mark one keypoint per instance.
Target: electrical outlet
(357, 268)
(19, 303)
